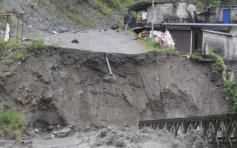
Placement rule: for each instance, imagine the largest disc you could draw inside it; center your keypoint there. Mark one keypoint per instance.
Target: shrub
(219, 60)
(11, 123)
(34, 6)
(230, 89)
(37, 44)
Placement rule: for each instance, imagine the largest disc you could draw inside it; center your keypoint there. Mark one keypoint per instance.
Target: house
(219, 14)
(165, 11)
(194, 37)
(193, 32)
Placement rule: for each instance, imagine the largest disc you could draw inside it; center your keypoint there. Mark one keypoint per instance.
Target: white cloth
(144, 15)
(7, 33)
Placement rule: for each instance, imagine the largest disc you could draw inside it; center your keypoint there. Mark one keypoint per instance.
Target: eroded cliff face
(77, 86)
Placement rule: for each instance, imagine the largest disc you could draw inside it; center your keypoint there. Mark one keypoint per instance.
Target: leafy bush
(34, 6)
(219, 60)
(230, 89)
(11, 123)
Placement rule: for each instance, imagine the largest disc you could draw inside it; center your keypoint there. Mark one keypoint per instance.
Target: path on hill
(97, 40)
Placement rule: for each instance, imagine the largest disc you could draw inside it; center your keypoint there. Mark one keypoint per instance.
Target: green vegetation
(195, 57)
(229, 87)
(219, 60)
(109, 7)
(2, 19)
(11, 123)
(154, 46)
(36, 44)
(231, 92)
(34, 6)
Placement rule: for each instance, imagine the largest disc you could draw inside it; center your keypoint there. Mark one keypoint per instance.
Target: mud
(112, 137)
(75, 85)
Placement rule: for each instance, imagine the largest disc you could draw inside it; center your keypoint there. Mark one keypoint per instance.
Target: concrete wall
(224, 43)
(175, 9)
(160, 11)
(217, 13)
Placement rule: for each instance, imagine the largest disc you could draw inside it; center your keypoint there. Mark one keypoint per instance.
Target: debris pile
(163, 39)
(143, 34)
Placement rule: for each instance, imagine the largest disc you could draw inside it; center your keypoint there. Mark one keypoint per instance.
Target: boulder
(115, 27)
(75, 41)
(63, 133)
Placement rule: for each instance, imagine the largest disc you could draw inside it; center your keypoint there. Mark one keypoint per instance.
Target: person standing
(144, 14)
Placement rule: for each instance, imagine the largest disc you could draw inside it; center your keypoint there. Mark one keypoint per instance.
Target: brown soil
(76, 85)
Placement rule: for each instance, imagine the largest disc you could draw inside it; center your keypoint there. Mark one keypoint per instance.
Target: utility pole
(152, 23)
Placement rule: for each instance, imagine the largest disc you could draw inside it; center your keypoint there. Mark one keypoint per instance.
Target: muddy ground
(112, 137)
(76, 85)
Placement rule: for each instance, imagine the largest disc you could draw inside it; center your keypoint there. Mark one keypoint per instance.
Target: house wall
(175, 9)
(223, 43)
(217, 13)
(160, 11)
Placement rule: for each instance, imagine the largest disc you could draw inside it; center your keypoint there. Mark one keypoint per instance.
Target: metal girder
(217, 129)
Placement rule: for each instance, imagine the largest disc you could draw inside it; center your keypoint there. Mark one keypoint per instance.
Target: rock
(115, 27)
(54, 32)
(102, 134)
(109, 79)
(75, 41)
(36, 130)
(1, 32)
(105, 30)
(63, 133)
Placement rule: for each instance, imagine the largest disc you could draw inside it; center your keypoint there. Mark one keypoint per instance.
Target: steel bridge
(218, 129)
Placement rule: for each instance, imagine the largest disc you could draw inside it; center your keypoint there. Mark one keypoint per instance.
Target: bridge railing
(216, 128)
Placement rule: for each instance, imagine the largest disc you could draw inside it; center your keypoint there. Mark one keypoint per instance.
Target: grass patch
(11, 123)
(219, 60)
(74, 14)
(154, 46)
(37, 44)
(195, 57)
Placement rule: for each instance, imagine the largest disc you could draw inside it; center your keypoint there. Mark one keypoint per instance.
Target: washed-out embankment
(74, 85)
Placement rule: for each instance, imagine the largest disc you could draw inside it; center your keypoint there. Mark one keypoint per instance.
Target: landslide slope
(77, 86)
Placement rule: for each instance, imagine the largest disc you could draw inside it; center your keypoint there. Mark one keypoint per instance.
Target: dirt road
(97, 40)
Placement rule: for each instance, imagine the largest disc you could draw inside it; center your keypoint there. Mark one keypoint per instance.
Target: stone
(115, 27)
(103, 134)
(36, 130)
(75, 41)
(54, 32)
(109, 79)
(63, 133)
